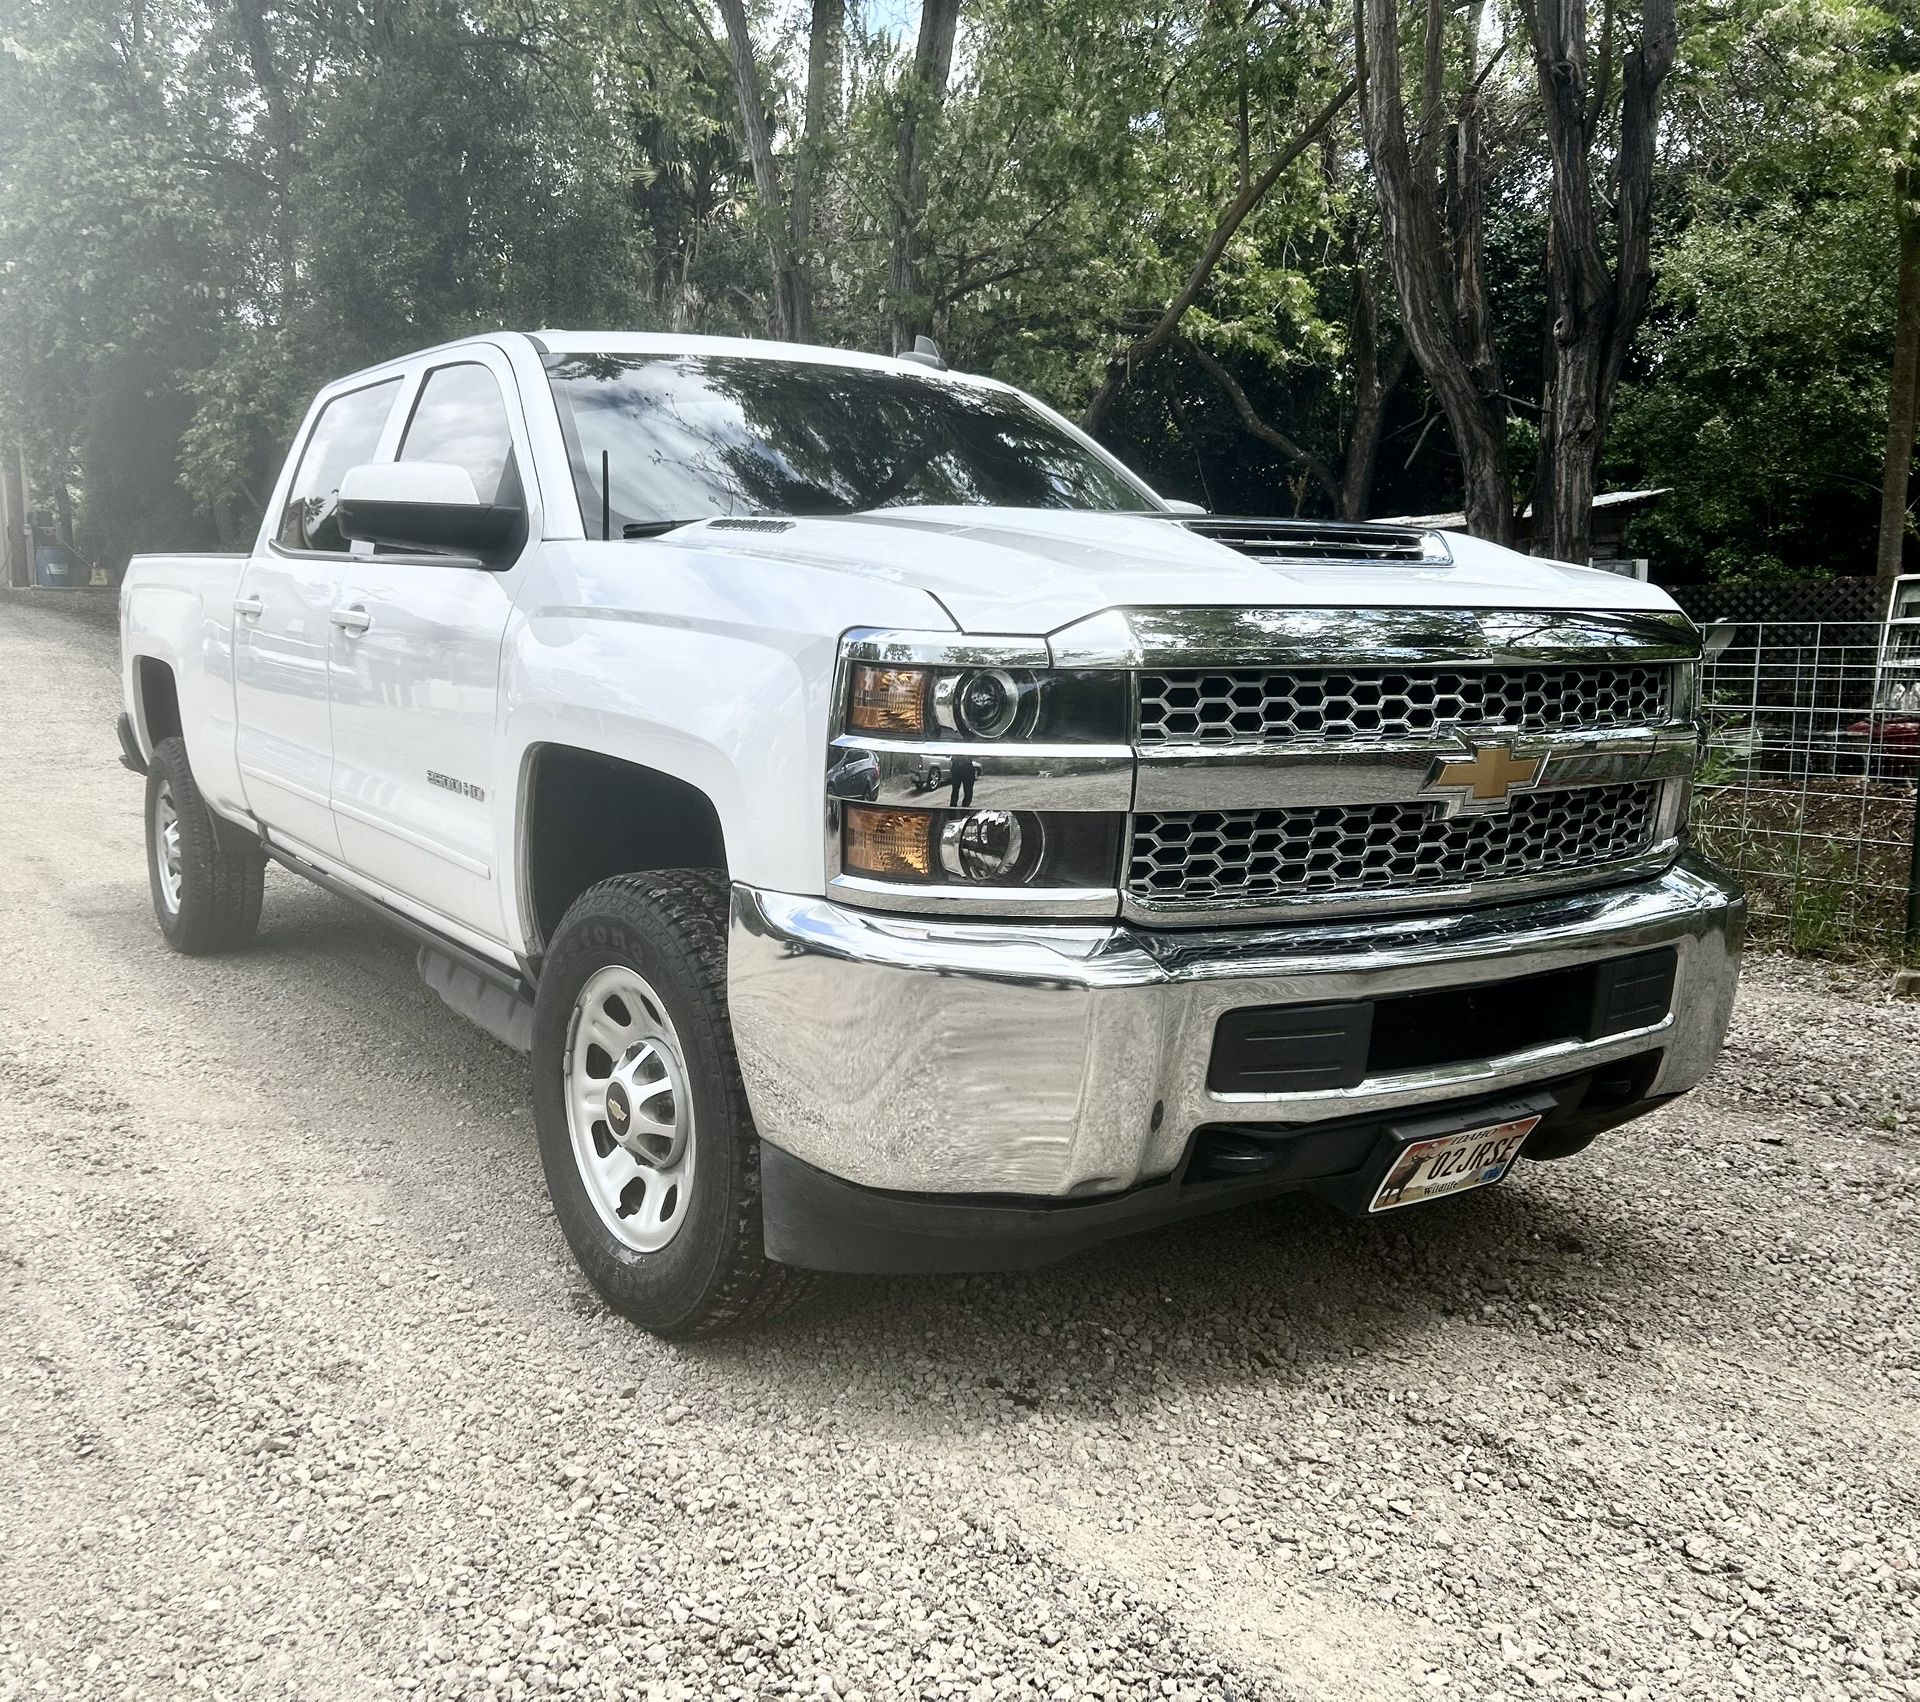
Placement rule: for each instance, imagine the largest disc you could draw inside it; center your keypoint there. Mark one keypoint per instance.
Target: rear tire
(206, 874)
(648, 1145)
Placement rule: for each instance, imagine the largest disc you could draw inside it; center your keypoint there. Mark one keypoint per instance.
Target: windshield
(691, 437)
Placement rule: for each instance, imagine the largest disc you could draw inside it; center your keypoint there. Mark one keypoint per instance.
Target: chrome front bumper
(1068, 1060)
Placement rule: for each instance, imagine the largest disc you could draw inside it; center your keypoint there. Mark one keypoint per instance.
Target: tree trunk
(1541, 501)
(1252, 193)
(822, 114)
(922, 94)
(1466, 204)
(1440, 283)
(1596, 308)
(16, 552)
(1903, 392)
(1374, 386)
(790, 295)
(283, 129)
(63, 509)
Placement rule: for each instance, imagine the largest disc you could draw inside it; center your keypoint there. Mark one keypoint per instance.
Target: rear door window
(346, 434)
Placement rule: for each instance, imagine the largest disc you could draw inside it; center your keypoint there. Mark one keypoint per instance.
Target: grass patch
(1825, 859)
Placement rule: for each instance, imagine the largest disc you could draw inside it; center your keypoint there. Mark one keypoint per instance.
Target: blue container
(57, 567)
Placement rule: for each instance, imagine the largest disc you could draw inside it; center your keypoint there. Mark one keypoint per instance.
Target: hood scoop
(1323, 540)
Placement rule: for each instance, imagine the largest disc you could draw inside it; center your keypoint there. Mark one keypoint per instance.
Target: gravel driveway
(300, 1394)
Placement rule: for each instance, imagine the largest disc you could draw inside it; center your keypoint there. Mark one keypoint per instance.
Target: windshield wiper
(652, 528)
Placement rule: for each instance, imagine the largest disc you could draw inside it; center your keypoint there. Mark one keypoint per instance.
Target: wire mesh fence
(1808, 787)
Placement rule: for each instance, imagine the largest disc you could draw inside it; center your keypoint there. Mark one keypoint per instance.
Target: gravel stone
(301, 1395)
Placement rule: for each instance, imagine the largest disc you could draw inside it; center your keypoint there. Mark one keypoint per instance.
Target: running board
(487, 994)
(504, 1012)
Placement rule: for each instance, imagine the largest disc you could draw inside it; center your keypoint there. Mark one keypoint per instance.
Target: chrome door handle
(355, 619)
(251, 607)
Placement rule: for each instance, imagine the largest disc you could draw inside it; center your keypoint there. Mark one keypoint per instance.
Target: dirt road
(301, 1396)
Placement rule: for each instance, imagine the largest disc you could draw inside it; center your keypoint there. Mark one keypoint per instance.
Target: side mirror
(1180, 505)
(423, 505)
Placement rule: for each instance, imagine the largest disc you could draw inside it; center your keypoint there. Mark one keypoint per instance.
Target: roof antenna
(606, 499)
(925, 352)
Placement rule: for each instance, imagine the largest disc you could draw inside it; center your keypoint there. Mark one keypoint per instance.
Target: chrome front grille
(1215, 856)
(1287, 706)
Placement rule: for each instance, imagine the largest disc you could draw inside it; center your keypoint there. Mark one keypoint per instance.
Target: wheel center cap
(645, 1106)
(619, 1111)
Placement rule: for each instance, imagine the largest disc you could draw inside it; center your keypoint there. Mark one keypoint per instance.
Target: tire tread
(684, 911)
(222, 865)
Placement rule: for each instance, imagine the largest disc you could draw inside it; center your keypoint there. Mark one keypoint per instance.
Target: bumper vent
(1214, 856)
(1205, 707)
(1318, 1048)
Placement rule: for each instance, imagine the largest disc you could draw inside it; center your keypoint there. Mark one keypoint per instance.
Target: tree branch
(1231, 218)
(1267, 432)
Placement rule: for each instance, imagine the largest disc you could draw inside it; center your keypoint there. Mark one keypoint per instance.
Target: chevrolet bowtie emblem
(1484, 780)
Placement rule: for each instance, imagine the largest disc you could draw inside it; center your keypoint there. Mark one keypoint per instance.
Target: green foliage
(1825, 868)
(430, 170)
(209, 206)
(1764, 404)
(1760, 393)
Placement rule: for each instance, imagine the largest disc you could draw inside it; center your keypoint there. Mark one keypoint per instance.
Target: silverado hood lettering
(999, 570)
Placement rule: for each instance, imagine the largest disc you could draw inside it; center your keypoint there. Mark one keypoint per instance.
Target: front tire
(648, 1146)
(206, 874)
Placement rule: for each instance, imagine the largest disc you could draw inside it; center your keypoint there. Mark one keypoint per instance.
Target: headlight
(986, 845)
(989, 705)
(888, 700)
(1686, 691)
(984, 848)
(968, 775)
(888, 844)
(985, 703)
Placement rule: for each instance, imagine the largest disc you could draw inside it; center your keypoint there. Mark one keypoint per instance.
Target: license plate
(1451, 1164)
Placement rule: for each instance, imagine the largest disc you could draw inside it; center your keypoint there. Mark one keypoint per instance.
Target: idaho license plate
(1451, 1164)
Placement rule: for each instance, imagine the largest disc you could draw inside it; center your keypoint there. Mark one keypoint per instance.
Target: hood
(1026, 570)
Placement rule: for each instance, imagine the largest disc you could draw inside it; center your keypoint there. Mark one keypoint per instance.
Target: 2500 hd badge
(465, 788)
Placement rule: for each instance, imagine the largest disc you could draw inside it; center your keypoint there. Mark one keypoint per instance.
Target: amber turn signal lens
(888, 700)
(889, 843)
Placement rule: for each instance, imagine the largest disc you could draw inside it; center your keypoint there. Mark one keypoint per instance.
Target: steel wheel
(630, 1028)
(629, 1111)
(166, 847)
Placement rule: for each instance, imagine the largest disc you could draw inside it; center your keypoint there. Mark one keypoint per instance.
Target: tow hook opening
(1615, 1085)
(1220, 1155)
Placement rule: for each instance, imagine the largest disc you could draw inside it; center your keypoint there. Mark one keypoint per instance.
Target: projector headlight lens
(985, 703)
(985, 845)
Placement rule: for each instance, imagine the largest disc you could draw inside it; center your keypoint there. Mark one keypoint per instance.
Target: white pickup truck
(901, 839)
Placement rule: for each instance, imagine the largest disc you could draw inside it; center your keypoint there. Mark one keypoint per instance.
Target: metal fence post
(1913, 877)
